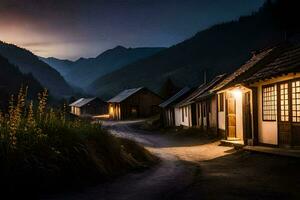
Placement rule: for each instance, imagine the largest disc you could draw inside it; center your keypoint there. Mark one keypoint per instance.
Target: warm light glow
(237, 93)
(111, 110)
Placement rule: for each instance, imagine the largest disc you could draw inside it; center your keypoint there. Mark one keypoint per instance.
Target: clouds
(66, 28)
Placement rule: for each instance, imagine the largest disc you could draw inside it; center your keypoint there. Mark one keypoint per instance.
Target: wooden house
(199, 108)
(89, 107)
(259, 104)
(134, 103)
(171, 114)
(206, 106)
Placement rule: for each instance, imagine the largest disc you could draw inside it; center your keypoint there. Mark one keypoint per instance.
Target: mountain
(30, 63)
(62, 66)
(219, 49)
(11, 79)
(84, 71)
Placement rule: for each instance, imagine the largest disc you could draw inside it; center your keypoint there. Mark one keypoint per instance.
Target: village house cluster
(128, 104)
(258, 104)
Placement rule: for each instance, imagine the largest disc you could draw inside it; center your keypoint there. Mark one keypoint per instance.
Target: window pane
(284, 102)
(269, 103)
(296, 101)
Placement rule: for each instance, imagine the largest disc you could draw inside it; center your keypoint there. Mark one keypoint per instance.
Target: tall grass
(42, 149)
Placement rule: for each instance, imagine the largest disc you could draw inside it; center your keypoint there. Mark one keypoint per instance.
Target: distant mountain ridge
(60, 65)
(27, 63)
(219, 49)
(84, 71)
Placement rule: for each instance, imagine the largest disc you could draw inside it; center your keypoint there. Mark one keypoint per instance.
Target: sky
(69, 29)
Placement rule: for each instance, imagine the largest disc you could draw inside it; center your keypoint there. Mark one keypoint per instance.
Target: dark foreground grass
(45, 151)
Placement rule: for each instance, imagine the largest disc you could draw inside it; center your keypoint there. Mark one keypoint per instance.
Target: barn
(89, 107)
(134, 103)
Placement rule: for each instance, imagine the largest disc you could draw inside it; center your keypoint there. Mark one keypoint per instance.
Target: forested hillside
(11, 79)
(221, 48)
(27, 62)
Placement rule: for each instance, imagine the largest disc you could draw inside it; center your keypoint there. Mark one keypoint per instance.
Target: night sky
(84, 28)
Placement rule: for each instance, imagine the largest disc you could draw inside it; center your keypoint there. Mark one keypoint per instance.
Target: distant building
(89, 107)
(134, 103)
(199, 108)
(171, 114)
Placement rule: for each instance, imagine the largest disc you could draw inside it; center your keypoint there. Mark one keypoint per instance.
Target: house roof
(207, 91)
(81, 102)
(287, 61)
(175, 97)
(243, 70)
(201, 90)
(124, 95)
(282, 59)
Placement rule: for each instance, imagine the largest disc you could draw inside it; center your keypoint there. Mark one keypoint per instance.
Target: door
(231, 116)
(284, 123)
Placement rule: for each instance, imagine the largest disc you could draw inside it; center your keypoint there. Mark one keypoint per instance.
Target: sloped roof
(207, 91)
(175, 97)
(81, 102)
(124, 95)
(189, 99)
(244, 69)
(287, 61)
(201, 90)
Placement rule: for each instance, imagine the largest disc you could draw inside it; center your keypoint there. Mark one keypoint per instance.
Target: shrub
(42, 149)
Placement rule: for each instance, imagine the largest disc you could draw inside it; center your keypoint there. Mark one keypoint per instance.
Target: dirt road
(197, 169)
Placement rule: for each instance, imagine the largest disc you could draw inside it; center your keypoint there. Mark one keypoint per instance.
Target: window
(296, 101)
(269, 103)
(182, 114)
(221, 102)
(284, 102)
(186, 111)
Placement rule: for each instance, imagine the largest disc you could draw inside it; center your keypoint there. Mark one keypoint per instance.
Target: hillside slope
(30, 63)
(221, 48)
(11, 79)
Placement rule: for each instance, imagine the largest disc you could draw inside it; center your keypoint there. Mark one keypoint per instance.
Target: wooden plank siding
(143, 103)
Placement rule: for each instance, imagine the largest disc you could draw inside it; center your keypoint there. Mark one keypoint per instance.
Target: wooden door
(231, 116)
(284, 118)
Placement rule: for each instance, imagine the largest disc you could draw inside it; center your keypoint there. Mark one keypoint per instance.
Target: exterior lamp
(237, 93)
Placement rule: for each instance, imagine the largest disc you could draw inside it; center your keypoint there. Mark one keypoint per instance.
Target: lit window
(296, 101)
(269, 103)
(284, 102)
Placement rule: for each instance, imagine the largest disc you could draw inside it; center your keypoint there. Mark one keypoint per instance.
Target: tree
(168, 89)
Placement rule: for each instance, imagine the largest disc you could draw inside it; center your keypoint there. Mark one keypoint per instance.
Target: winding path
(170, 179)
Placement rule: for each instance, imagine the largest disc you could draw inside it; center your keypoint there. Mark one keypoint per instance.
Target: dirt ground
(197, 168)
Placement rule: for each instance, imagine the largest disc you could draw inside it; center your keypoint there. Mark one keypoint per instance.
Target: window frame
(276, 101)
(292, 104)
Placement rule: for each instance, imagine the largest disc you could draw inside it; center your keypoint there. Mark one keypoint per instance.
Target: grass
(44, 150)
